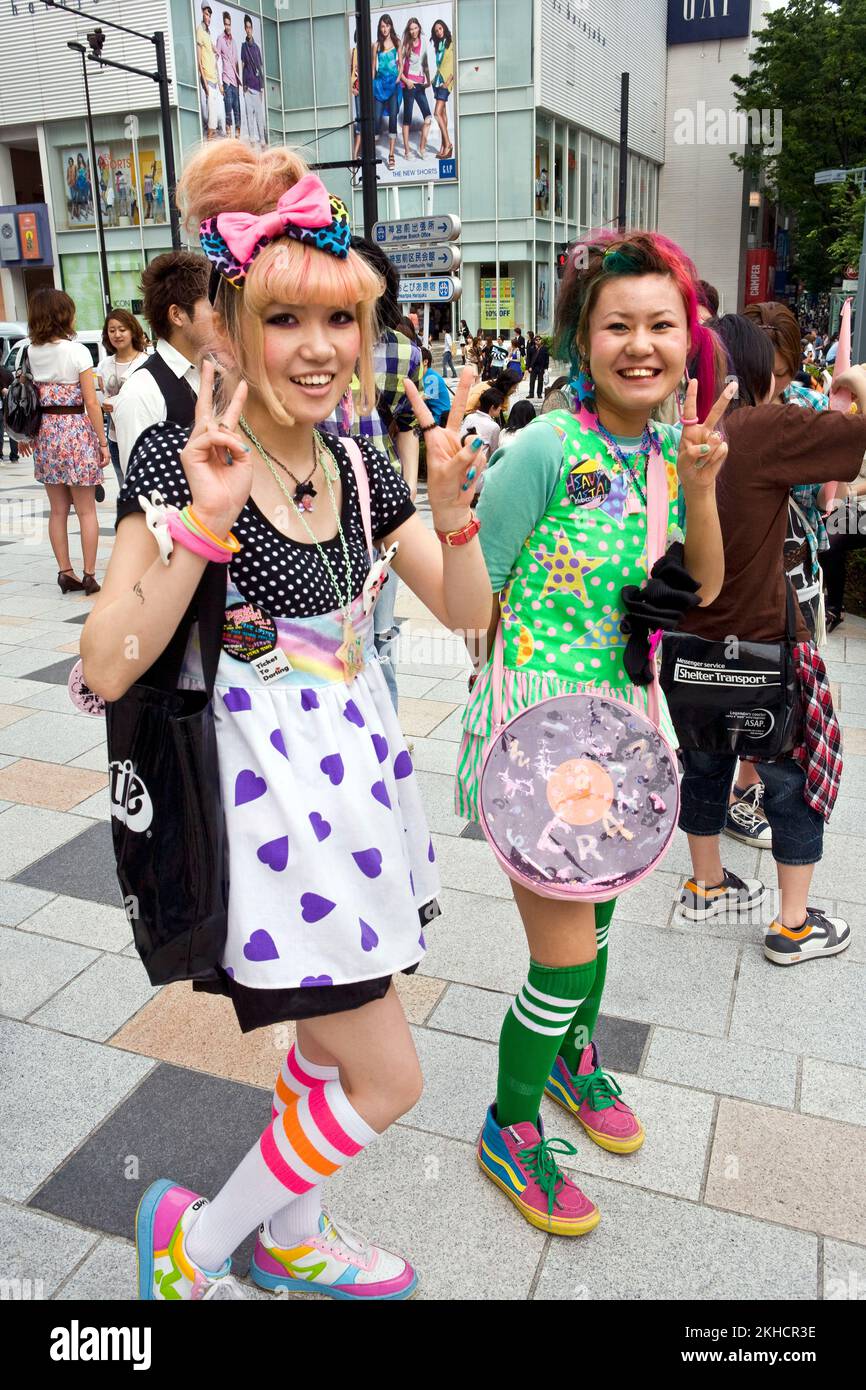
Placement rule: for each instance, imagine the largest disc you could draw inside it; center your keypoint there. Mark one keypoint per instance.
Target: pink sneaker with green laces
(594, 1097)
(165, 1271)
(523, 1163)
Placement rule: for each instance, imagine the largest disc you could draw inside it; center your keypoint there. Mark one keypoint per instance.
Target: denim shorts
(798, 831)
(441, 93)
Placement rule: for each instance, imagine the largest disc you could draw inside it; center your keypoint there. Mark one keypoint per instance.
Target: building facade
(534, 113)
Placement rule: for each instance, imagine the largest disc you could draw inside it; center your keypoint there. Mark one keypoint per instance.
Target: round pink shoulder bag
(579, 795)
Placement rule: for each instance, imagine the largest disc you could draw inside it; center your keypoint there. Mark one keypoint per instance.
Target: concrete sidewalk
(750, 1080)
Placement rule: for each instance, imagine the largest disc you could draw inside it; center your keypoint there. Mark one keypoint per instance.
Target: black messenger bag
(733, 696)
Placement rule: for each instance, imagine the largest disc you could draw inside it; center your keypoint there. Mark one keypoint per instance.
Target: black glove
(662, 602)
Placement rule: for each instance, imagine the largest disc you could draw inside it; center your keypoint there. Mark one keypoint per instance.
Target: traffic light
(96, 39)
(562, 260)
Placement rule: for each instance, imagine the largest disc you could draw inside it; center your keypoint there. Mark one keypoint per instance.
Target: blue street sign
(439, 289)
(418, 230)
(430, 260)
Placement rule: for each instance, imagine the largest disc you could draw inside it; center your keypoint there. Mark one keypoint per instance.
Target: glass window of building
(558, 174)
(542, 167)
(615, 186)
(633, 204)
(607, 183)
(514, 149)
(476, 28)
(479, 192)
(514, 41)
(297, 61)
(644, 215)
(584, 182)
(595, 198)
(573, 177)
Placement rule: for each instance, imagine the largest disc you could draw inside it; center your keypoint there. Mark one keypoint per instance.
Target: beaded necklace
(351, 653)
(626, 462)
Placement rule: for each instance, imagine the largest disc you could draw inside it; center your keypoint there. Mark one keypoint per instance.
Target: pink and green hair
(606, 255)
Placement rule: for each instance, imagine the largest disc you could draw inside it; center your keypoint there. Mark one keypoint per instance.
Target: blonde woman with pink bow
(332, 871)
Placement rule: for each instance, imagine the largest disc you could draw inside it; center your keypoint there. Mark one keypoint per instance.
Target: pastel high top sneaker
(165, 1271)
(335, 1261)
(519, 1160)
(594, 1097)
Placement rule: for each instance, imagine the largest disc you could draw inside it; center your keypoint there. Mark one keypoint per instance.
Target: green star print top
(563, 529)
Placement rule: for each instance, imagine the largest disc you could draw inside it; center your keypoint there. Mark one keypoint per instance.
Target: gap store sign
(693, 21)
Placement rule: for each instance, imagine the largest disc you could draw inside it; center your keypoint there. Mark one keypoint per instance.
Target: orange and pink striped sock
(313, 1137)
(291, 1224)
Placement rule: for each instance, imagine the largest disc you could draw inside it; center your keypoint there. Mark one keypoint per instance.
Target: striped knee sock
(586, 1017)
(312, 1138)
(531, 1035)
(297, 1077)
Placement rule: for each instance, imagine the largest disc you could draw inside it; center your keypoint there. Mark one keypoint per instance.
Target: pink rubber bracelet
(190, 540)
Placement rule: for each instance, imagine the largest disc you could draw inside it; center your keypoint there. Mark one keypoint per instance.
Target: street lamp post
(94, 184)
(858, 328)
(369, 190)
(160, 77)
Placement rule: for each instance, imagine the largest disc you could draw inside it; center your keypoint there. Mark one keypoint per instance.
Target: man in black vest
(165, 387)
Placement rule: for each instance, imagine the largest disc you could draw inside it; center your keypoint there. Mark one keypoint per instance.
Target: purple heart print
(279, 742)
(402, 765)
(309, 700)
(237, 699)
(261, 947)
(369, 938)
(332, 766)
(321, 827)
(275, 853)
(380, 792)
(353, 714)
(314, 908)
(369, 861)
(249, 787)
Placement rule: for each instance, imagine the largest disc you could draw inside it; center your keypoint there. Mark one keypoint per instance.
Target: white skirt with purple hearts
(330, 856)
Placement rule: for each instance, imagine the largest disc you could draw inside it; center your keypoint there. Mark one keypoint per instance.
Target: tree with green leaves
(810, 64)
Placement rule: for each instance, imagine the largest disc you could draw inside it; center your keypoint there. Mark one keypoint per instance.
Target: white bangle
(156, 515)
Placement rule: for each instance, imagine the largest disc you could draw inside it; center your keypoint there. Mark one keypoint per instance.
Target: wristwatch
(463, 536)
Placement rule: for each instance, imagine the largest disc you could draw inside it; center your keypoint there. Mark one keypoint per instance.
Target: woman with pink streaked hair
(564, 530)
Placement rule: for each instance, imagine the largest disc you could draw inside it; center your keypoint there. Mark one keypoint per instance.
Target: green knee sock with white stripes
(581, 1031)
(532, 1033)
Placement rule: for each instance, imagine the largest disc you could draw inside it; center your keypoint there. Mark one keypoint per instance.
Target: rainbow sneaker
(165, 1271)
(523, 1163)
(335, 1261)
(593, 1097)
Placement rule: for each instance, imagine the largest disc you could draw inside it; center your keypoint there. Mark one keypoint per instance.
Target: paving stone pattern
(750, 1080)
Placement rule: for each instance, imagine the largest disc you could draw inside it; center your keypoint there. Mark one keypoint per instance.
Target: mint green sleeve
(518, 486)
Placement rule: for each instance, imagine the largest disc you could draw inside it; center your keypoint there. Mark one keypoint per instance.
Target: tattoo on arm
(136, 589)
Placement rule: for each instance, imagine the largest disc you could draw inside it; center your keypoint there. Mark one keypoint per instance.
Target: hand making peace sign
(217, 461)
(702, 449)
(453, 469)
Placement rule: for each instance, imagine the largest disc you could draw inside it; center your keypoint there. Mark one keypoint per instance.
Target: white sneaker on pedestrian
(746, 820)
(819, 935)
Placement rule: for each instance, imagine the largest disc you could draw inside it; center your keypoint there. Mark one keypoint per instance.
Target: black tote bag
(166, 806)
(733, 696)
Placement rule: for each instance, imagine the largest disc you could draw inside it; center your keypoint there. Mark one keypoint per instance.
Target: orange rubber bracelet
(230, 543)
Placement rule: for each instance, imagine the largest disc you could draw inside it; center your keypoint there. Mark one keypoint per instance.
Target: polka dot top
(286, 578)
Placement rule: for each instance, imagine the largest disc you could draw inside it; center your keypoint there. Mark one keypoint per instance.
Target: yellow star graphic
(566, 569)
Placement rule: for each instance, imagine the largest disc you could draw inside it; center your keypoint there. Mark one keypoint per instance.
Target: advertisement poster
(543, 306)
(79, 187)
(488, 304)
(151, 190)
(29, 236)
(125, 197)
(231, 74)
(414, 91)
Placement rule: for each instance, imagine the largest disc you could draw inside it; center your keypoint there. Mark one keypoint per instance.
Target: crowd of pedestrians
(686, 481)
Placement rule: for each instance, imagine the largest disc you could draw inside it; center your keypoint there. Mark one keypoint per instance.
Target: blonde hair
(228, 176)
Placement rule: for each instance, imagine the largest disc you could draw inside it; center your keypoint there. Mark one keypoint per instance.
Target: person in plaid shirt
(389, 426)
(769, 446)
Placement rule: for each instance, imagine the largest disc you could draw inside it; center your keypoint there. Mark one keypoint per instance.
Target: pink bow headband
(307, 212)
